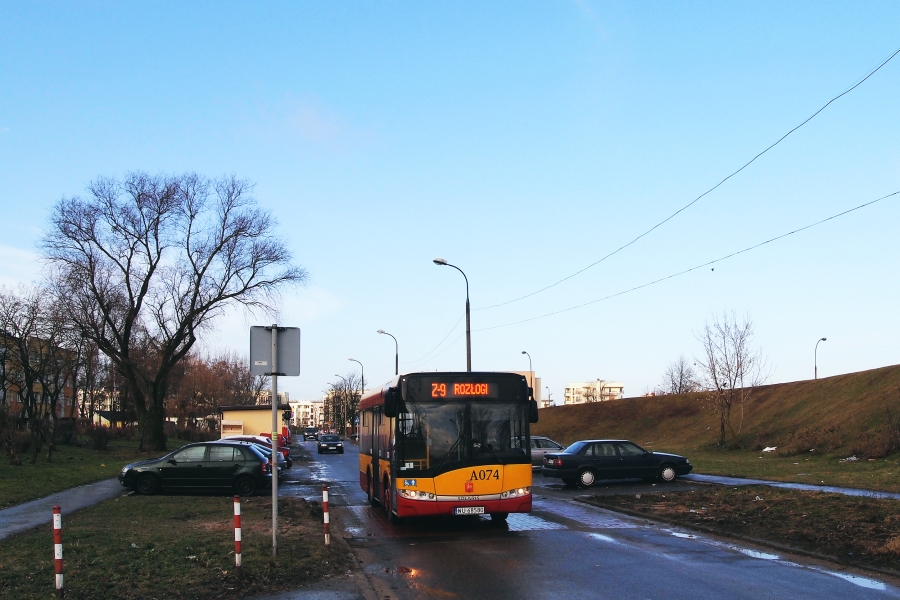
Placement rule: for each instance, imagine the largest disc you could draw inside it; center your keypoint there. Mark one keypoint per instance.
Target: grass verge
(72, 466)
(862, 532)
(173, 547)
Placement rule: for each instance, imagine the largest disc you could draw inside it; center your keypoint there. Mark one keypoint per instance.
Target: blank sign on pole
(288, 351)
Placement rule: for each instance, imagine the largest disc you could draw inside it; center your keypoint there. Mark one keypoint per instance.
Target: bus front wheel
(371, 498)
(388, 503)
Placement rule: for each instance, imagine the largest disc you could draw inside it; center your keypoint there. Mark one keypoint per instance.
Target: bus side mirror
(392, 403)
(533, 411)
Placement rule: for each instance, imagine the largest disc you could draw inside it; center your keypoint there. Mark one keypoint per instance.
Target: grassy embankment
(814, 424)
(862, 532)
(173, 547)
(71, 466)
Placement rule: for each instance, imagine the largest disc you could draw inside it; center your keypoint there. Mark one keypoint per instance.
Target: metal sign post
(284, 353)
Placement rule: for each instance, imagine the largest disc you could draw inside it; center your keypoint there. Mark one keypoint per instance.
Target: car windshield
(435, 437)
(330, 438)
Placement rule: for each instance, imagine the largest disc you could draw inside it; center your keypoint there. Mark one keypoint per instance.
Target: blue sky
(519, 141)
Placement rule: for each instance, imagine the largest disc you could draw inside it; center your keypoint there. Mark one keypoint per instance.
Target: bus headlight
(516, 493)
(416, 495)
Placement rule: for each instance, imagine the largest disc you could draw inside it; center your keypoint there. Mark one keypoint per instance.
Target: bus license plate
(469, 510)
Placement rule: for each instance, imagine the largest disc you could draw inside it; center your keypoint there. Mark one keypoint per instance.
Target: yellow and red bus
(448, 444)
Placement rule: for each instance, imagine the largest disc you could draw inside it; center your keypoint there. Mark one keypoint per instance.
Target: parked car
(264, 441)
(584, 462)
(203, 466)
(330, 442)
(540, 446)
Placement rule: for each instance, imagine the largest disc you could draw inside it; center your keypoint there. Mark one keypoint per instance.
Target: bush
(65, 431)
(22, 442)
(190, 434)
(100, 436)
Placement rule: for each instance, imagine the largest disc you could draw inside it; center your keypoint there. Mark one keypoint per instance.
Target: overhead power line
(697, 199)
(706, 264)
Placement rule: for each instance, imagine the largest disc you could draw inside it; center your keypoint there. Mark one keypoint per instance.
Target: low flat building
(251, 420)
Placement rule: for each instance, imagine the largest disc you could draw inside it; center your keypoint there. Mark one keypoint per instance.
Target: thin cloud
(18, 266)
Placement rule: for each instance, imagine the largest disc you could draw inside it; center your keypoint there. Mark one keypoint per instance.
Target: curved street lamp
(549, 395)
(396, 352)
(816, 359)
(530, 370)
(444, 263)
(362, 377)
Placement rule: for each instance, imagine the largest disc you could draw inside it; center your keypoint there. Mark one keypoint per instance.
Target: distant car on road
(585, 462)
(309, 433)
(330, 442)
(220, 465)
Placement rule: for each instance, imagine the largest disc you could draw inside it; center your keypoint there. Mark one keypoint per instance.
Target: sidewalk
(40, 512)
(720, 480)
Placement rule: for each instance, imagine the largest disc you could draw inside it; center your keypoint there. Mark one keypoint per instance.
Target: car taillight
(553, 462)
(265, 468)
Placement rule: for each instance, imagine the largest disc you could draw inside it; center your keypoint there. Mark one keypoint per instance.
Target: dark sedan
(237, 467)
(330, 443)
(584, 462)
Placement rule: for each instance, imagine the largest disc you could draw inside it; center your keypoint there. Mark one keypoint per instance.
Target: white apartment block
(306, 413)
(594, 391)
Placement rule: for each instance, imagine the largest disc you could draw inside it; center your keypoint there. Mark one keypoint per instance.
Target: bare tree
(591, 393)
(341, 401)
(41, 356)
(731, 368)
(144, 264)
(680, 378)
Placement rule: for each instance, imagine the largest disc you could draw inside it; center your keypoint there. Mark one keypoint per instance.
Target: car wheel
(499, 517)
(244, 486)
(146, 485)
(569, 481)
(667, 473)
(587, 478)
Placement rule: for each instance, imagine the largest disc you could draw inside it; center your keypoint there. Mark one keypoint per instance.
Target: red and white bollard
(237, 537)
(57, 549)
(325, 513)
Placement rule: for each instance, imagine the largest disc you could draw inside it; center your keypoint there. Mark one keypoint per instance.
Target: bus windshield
(436, 437)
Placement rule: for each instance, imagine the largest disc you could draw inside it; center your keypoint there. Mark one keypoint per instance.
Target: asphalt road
(563, 549)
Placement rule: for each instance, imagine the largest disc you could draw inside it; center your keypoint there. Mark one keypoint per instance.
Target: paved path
(40, 512)
(791, 486)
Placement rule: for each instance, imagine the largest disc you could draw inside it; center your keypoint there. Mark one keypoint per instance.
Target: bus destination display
(450, 389)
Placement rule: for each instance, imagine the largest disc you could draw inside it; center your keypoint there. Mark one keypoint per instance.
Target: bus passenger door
(377, 450)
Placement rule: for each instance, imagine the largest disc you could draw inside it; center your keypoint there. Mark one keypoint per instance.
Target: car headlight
(340, 445)
(687, 461)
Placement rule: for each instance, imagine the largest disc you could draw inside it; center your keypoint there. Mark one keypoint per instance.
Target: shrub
(65, 431)
(100, 436)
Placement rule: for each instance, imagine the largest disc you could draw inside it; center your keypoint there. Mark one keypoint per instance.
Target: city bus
(448, 444)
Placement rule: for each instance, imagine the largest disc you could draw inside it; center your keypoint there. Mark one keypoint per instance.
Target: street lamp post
(549, 395)
(362, 377)
(396, 352)
(816, 359)
(530, 370)
(442, 262)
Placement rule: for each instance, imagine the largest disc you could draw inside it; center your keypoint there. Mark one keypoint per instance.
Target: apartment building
(600, 390)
